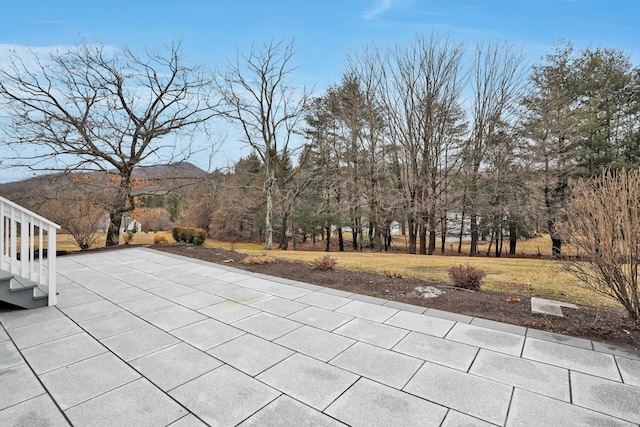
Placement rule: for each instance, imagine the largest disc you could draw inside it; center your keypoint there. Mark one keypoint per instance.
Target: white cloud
(381, 7)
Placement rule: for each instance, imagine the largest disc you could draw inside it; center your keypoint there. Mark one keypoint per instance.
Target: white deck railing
(35, 236)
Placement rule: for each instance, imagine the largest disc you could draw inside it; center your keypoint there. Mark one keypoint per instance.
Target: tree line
(432, 135)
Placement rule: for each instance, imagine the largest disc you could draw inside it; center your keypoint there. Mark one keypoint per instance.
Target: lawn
(521, 276)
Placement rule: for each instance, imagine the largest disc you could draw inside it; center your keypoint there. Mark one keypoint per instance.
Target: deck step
(21, 292)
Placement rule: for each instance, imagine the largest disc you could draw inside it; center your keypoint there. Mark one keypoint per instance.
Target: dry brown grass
(520, 276)
(258, 259)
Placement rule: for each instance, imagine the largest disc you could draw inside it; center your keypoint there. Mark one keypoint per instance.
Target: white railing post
(51, 264)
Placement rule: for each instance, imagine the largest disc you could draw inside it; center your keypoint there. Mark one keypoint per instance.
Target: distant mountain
(160, 178)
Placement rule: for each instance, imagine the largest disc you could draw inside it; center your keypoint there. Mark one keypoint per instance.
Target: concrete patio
(140, 337)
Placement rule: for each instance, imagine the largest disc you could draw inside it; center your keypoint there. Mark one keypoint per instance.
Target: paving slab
(138, 342)
(75, 296)
(550, 308)
(9, 355)
(250, 354)
(36, 412)
(368, 311)
(174, 318)
(288, 292)
(499, 326)
(574, 358)
(30, 335)
(368, 299)
(3, 335)
(62, 352)
(469, 394)
(458, 419)
(214, 286)
(630, 370)
(84, 380)
(368, 403)
(448, 353)
(320, 318)
(18, 384)
(308, 380)
(267, 326)
(406, 307)
(231, 276)
(197, 300)
(228, 311)
(173, 366)
(188, 421)
(129, 293)
(521, 373)
(91, 310)
(148, 305)
(279, 306)
(372, 332)
(224, 396)
(609, 397)
(337, 292)
(112, 324)
(324, 300)
(173, 290)
(492, 339)
(287, 412)
(526, 412)
(139, 403)
(460, 318)
(616, 350)
(421, 323)
(18, 318)
(381, 365)
(207, 334)
(560, 339)
(315, 342)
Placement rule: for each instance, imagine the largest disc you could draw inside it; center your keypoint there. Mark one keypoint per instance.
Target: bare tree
(90, 107)
(497, 77)
(258, 98)
(603, 221)
(423, 101)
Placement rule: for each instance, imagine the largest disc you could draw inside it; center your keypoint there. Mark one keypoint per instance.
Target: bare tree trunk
(328, 237)
(513, 238)
(461, 232)
(113, 232)
(284, 240)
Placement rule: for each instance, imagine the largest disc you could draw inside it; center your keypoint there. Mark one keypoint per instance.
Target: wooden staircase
(27, 257)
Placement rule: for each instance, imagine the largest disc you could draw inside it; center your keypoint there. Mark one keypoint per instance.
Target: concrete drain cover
(549, 307)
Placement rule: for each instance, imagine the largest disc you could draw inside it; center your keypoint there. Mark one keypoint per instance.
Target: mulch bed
(606, 325)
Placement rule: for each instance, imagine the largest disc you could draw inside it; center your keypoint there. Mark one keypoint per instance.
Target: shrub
(326, 262)
(128, 237)
(258, 259)
(466, 277)
(394, 274)
(194, 236)
(160, 238)
(602, 219)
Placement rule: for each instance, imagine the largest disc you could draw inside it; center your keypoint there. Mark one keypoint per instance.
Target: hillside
(177, 176)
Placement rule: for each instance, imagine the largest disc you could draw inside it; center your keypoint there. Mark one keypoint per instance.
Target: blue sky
(324, 30)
